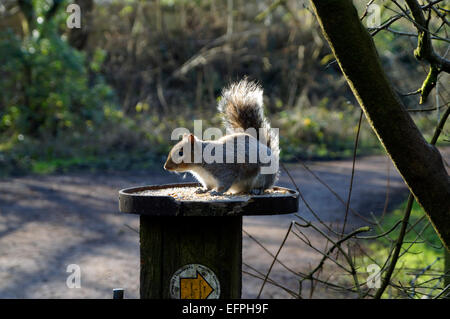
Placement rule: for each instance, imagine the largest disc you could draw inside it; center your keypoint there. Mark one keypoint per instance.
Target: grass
(90, 163)
(423, 261)
(115, 161)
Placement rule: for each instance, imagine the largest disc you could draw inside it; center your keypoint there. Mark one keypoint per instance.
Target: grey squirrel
(239, 162)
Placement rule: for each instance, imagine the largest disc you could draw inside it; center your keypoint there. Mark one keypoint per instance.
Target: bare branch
(419, 163)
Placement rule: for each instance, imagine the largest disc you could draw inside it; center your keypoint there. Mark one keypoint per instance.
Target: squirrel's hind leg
(257, 191)
(224, 185)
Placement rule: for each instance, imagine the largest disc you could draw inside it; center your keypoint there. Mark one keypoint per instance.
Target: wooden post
(192, 249)
(169, 243)
(118, 293)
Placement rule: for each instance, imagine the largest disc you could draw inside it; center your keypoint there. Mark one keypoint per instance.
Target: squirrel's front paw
(215, 193)
(201, 190)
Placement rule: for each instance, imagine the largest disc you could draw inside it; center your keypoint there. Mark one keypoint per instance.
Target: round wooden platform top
(181, 200)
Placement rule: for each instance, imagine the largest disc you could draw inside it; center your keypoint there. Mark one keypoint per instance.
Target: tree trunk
(27, 9)
(78, 37)
(419, 163)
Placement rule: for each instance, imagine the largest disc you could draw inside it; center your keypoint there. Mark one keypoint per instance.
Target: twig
(331, 190)
(321, 252)
(274, 260)
(366, 11)
(338, 246)
(271, 255)
(413, 281)
(398, 246)
(429, 109)
(442, 292)
(270, 281)
(304, 200)
(381, 235)
(388, 184)
(355, 149)
(409, 205)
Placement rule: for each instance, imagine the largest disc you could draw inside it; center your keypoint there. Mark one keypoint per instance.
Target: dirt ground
(50, 222)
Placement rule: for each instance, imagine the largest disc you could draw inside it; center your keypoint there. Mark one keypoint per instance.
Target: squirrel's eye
(180, 153)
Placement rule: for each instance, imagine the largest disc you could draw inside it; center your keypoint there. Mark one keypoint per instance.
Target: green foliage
(424, 258)
(323, 132)
(52, 100)
(46, 87)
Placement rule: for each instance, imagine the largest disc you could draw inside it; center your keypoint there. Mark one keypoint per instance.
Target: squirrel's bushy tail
(241, 106)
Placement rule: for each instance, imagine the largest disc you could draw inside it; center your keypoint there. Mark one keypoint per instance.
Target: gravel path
(50, 222)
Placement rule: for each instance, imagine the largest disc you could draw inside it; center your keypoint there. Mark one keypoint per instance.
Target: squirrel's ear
(191, 138)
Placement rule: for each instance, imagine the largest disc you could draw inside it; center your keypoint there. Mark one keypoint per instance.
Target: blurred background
(87, 111)
(109, 94)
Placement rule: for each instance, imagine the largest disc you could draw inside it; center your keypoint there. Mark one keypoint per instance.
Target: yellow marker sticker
(194, 281)
(194, 288)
